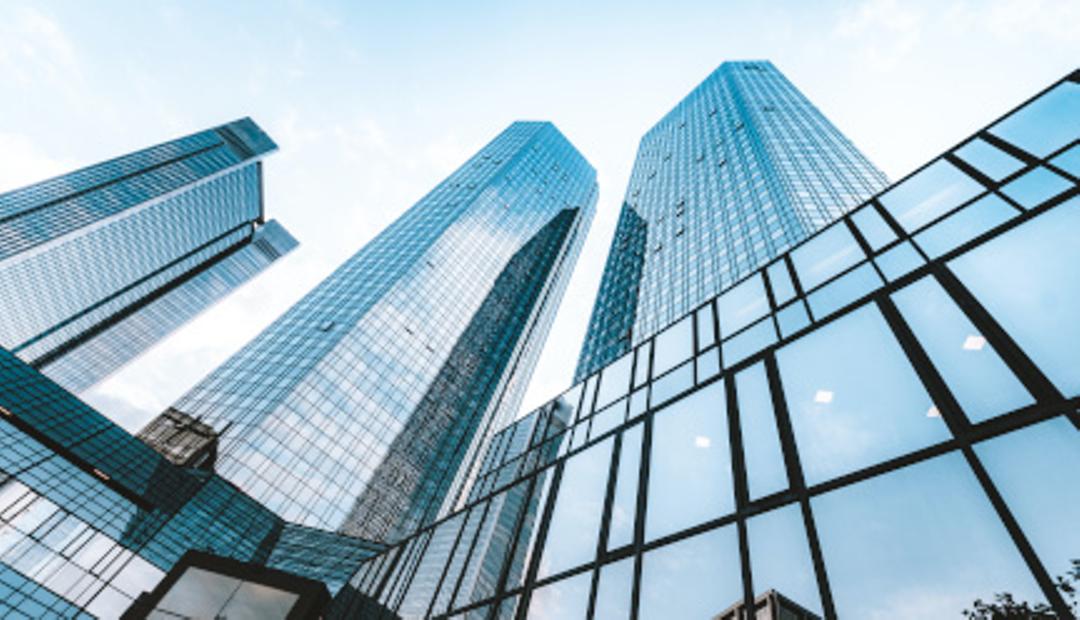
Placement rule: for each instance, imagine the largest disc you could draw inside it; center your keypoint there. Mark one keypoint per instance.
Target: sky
(373, 104)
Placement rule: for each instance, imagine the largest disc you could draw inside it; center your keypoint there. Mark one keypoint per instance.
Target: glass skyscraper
(99, 264)
(362, 407)
(739, 171)
(881, 422)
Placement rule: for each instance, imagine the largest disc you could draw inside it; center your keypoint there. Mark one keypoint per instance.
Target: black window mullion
(742, 494)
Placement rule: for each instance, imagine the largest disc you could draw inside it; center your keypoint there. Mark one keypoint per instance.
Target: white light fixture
(974, 342)
(933, 412)
(823, 396)
(701, 441)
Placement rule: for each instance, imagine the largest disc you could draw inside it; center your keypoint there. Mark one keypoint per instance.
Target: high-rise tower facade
(99, 264)
(739, 171)
(355, 409)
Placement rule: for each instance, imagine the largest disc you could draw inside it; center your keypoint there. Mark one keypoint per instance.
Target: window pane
(780, 557)
(921, 542)
(749, 342)
(608, 419)
(988, 159)
(1034, 469)
(614, 380)
(843, 290)
(873, 227)
(624, 504)
(826, 255)
(690, 468)
(930, 193)
(613, 591)
(782, 287)
(568, 598)
(641, 369)
(672, 384)
(575, 519)
(706, 329)
(673, 346)
(1030, 272)
(853, 398)
(742, 305)
(792, 318)
(765, 471)
(1036, 187)
(1046, 124)
(708, 365)
(1069, 161)
(693, 579)
(899, 261)
(964, 225)
(982, 384)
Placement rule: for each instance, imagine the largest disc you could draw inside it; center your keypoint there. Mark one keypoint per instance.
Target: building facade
(881, 422)
(739, 171)
(99, 264)
(362, 407)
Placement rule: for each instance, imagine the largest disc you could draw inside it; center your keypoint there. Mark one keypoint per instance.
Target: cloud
(887, 31)
(33, 47)
(23, 163)
(1016, 19)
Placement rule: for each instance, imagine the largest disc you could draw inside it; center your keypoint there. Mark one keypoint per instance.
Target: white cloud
(33, 47)
(22, 162)
(886, 31)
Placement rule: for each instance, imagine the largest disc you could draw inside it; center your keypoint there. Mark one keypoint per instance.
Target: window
(694, 578)
(568, 598)
(624, 503)
(765, 470)
(929, 193)
(742, 305)
(825, 255)
(1046, 124)
(673, 346)
(780, 557)
(575, 518)
(989, 160)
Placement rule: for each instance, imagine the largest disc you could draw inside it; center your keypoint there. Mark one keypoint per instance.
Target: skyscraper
(99, 264)
(355, 409)
(740, 170)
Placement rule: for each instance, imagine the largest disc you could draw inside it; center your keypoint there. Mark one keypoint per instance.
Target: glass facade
(361, 408)
(741, 170)
(99, 264)
(882, 423)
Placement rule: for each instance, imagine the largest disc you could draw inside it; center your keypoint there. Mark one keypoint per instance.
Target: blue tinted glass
(624, 504)
(921, 542)
(988, 159)
(673, 346)
(641, 366)
(780, 557)
(964, 225)
(708, 365)
(749, 342)
(826, 255)
(1036, 187)
(928, 194)
(575, 519)
(853, 398)
(742, 305)
(614, 380)
(639, 402)
(613, 590)
(1030, 272)
(843, 290)
(982, 384)
(1046, 124)
(780, 279)
(706, 330)
(672, 384)
(690, 468)
(693, 578)
(873, 227)
(765, 471)
(792, 318)
(899, 261)
(1034, 469)
(568, 598)
(1069, 161)
(609, 418)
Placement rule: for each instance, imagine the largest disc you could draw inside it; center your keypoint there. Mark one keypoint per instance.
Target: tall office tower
(355, 408)
(99, 264)
(739, 171)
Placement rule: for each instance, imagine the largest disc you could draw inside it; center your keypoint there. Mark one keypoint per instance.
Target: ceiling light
(701, 441)
(933, 412)
(823, 396)
(974, 343)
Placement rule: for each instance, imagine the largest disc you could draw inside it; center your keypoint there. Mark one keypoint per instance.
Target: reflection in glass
(614, 380)
(575, 519)
(780, 557)
(695, 578)
(843, 290)
(690, 468)
(920, 542)
(989, 160)
(624, 504)
(706, 329)
(928, 194)
(1069, 161)
(792, 318)
(1028, 272)
(673, 383)
(899, 261)
(980, 381)
(742, 305)
(873, 227)
(673, 346)
(826, 255)
(613, 590)
(641, 367)
(568, 598)
(1036, 187)
(765, 470)
(708, 365)
(853, 398)
(749, 342)
(1035, 470)
(1046, 124)
(608, 419)
(782, 287)
(964, 225)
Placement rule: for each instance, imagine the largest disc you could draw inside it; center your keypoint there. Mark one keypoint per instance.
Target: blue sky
(375, 103)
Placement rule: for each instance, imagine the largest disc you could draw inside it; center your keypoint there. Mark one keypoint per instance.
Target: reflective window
(575, 519)
(673, 346)
(1069, 161)
(695, 578)
(742, 305)
(1046, 124)
(1036, 187)
(899, 261)
(641, 368)
(782, 287)
(792, 318)
(842, 291)
(873, 227)
(982, 384)
(613, 590)
(749, 342)
(608, 419)
(928, 194)
(1035, 469)
(765, 470)
(1030, 272)
(921, 542)
(672, 384)
(826, 255)
(780, 557)
(614, 380)
(964, 225)
(690, 468)
(568, 598)
(853, 398)
(566, 405)
(708, 365)
(586, 407)
(624, 504)
(989, 160)
(639, 402)
(706, 329)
